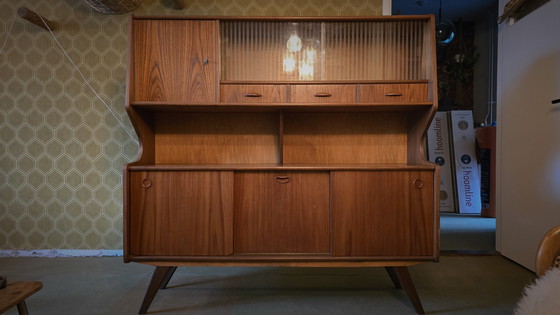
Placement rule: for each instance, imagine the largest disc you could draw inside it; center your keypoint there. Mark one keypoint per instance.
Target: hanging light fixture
(445, 29)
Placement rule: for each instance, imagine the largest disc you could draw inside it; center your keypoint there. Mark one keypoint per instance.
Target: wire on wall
(88, 84)
(6, 39)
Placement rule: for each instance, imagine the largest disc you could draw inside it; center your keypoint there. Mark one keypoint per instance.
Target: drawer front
(325, 93)
(252, 93)
(394, 93)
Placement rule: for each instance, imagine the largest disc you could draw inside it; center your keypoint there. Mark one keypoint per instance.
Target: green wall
(62, 148)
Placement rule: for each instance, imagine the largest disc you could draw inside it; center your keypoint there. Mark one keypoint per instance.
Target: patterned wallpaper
(64, 134)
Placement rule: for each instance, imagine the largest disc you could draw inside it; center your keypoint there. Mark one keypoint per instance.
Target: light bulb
(310, 54)
(306, 71)
(289, 64)
(294, 43)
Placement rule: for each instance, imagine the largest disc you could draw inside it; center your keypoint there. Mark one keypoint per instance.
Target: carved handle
(282, 179)
(322, 94)
(146, 183)
(418, 183)
(253, 95)
(393, 94)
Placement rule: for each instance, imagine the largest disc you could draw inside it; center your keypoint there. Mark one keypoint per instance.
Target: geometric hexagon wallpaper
(64, 133)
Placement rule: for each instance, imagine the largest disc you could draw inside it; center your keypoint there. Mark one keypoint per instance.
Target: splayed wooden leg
(160, 278)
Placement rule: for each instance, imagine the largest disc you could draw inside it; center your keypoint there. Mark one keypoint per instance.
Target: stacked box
(439, 152)
(466, 166)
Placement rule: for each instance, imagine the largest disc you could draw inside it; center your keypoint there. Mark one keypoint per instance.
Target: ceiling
(467, 10)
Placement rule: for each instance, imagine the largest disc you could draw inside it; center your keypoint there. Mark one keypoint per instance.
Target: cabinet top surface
(289, 18)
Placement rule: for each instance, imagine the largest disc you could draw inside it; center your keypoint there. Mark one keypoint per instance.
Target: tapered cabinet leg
(405, 281)
(393, 276)
(160, 278)
(167, 278)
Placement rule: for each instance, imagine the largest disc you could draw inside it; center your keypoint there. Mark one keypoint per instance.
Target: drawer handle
(393, 94)
(322, 94)
(146, 183)
(418, 183)
(282, 179)
(253, 95)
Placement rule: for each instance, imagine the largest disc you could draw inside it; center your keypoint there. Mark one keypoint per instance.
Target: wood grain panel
(175, 61)
(385, 213)
(393, 93)
(323, 93)
(181, 213)
(331, 138)
(284, 212)
(209, 138)
(253, 93)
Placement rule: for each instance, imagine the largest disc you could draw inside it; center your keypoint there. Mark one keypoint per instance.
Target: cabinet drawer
(325, 93)
(251, 93)
(281, 212)
(393, 93)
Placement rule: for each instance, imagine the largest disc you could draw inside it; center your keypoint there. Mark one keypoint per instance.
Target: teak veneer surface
(175, 61)
(181, 213)
(344, 138)
(383, 213)
(199, 138)
(281, 212)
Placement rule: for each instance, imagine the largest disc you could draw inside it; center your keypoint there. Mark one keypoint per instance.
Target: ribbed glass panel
(290, 51)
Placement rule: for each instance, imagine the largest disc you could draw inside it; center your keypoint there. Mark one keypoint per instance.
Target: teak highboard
(281, 142)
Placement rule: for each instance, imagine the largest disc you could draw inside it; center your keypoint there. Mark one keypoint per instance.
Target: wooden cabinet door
(175, 61)
(383, 213)
(180, 213)
(286, 212)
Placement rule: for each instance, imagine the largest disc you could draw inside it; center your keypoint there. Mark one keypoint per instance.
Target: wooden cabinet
(281, 141)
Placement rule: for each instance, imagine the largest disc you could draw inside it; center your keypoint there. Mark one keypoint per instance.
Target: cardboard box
(439, 152)
(466, 166)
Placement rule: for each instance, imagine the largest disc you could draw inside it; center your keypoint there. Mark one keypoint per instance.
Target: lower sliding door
(180, 213)
(383, 213)
(281, 212)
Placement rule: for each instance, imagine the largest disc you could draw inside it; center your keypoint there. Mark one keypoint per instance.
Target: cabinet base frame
(398, 272)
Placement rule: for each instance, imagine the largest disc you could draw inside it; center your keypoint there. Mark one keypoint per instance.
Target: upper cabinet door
(175, 61)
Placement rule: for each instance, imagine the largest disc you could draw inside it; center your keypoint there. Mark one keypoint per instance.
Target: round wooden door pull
(418, 183)
(146, 183)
